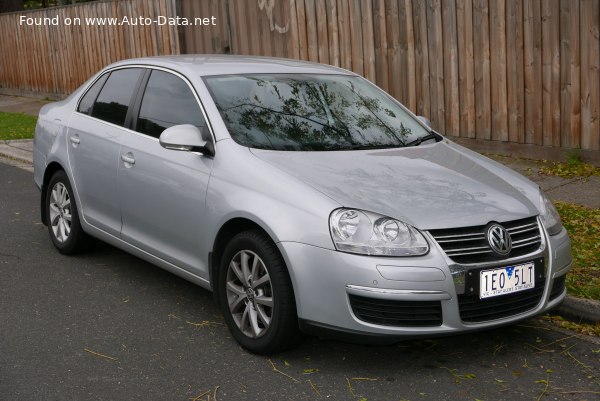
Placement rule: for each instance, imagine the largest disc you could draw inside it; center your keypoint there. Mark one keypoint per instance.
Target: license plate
(506, 280)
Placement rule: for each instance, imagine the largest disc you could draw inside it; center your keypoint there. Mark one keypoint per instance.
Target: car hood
(441, 185)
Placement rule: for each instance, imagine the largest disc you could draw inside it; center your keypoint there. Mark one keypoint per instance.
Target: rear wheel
(257, 296)
(63, 221)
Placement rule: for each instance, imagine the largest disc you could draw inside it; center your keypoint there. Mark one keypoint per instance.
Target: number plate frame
(507, 280)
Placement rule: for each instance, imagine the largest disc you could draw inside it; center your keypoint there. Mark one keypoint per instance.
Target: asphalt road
(108, 326)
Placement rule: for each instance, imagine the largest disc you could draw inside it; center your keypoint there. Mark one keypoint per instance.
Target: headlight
(366, 233)
(549, 215)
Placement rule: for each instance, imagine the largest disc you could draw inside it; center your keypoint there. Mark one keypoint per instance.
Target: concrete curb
(19, 150)
(580, 309)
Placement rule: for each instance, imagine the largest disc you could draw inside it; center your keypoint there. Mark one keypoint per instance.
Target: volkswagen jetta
(303, 196)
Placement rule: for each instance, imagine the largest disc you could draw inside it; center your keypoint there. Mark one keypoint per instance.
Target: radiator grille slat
(469, 244)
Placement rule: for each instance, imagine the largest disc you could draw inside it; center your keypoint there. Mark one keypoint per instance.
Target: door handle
(75, 140)
(128, 159)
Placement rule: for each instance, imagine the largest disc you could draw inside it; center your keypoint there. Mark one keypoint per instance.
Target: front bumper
(325, 281)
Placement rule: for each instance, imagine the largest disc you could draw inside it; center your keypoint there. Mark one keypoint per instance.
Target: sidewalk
(27, 105)
(581, 191)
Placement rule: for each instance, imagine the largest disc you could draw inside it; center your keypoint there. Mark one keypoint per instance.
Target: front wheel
(63, 221)
(257, 296)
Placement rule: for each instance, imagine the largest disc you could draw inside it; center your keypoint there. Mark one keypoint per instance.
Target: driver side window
(167, 101)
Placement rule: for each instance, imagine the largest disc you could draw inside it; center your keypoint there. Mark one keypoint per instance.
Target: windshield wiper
(371, 147)
(422, 139)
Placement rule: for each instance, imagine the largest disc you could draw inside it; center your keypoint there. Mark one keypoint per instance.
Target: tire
(63, 219)
(257, 297)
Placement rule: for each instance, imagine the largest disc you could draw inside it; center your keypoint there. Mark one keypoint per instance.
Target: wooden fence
(517, 71)
(507, 70)
(55, 59)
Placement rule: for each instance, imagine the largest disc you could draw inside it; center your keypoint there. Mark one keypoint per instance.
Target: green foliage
(16, 126)
(589, 329)
(583, 225)
(574, 167)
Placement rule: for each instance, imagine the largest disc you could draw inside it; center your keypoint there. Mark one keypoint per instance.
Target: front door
(163, 192)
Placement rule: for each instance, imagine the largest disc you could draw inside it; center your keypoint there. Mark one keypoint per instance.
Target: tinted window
(167, 101)
(86, 103)
(311, 112)
(114, 98)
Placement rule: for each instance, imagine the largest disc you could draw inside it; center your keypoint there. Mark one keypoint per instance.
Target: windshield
(311, 112)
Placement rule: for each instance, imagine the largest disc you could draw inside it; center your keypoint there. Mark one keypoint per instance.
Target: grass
(574, 167)
(583, 225)
(16, 126)
(589, 329)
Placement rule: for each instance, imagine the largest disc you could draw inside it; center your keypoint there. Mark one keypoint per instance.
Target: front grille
(557, 287)
(473, 309)
(397, 313)
(469, 244)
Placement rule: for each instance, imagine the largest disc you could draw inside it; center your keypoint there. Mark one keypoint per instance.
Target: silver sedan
(304, 197)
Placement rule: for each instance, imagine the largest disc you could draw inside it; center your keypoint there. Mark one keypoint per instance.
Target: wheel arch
(227, 231)
(52, 168)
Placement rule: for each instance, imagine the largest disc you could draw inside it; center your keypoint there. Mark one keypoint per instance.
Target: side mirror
(425, 121)
(187, 138)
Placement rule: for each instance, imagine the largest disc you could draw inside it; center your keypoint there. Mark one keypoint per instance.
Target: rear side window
(87, 101)
(167, 101)
(115, 96)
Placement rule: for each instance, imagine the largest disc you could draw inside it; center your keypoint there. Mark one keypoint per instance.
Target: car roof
(208, 64)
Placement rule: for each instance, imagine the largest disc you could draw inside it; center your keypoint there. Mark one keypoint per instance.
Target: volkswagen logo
(499, 239)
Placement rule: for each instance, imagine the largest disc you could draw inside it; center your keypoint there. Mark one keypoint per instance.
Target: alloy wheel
(60, 212)
(249, 293)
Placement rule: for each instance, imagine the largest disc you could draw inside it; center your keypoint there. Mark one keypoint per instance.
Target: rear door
(163, 192)
(95, 136)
